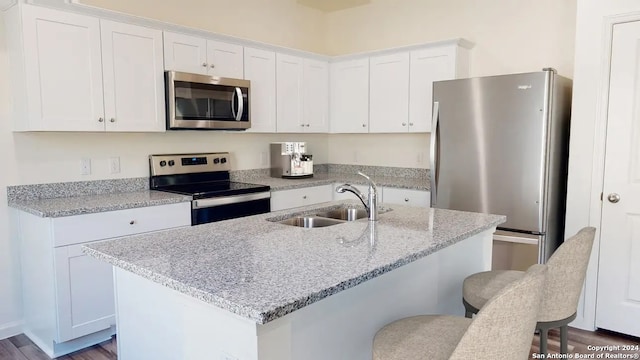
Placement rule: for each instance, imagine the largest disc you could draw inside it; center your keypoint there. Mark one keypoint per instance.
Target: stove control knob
(216, 161)
(223, 160)
(163, 163)
(171, 162)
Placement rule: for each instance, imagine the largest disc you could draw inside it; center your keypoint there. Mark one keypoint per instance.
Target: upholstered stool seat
(406, 339)
(567, 269)
(492, 334)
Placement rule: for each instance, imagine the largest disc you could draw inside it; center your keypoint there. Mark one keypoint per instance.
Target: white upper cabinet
(133, 77)
(289, 70)
(79, 73)
(315, 97)
(427, 66)
(62, 68)
(197, 55)
(349, 96)
(389, 93)
(260, 69)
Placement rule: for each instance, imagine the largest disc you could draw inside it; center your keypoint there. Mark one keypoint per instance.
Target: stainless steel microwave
(206, 102)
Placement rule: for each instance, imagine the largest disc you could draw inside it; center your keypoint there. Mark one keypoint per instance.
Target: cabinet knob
(132, 222)
(308, 125)
(212, 66)
(100, 120)
(406, 199)
(302, 125)
(410, 124)
(204, 64)
(304, 197)
(364, 125)
(404, 124)
(112, 120)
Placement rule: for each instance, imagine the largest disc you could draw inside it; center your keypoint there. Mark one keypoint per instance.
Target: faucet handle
(373, 184)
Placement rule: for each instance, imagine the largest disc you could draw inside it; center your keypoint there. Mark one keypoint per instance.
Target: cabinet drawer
(406, 196)
(82, 228)
(286, 199)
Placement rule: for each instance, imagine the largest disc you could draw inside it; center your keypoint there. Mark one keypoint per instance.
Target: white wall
(510, 37)
(588, 133)
(10, 312)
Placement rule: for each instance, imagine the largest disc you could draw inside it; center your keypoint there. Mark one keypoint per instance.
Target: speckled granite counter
(263, 270)
(69, 206)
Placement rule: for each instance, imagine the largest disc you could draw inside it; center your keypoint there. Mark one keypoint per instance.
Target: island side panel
(155, 322)
(343, 325)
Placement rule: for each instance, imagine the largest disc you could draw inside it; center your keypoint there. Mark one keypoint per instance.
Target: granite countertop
(263, 270)
(323, 179)
(78, 205)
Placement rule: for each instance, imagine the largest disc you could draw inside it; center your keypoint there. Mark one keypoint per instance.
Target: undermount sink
(348, 214)
(310, 221)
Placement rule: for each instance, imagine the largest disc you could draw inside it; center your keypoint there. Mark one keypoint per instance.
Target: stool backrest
(567, 270)
(504, 327)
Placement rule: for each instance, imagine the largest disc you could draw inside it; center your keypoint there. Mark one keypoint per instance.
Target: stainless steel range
(205, 177)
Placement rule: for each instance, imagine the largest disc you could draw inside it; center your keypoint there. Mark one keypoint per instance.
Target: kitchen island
(253, 288)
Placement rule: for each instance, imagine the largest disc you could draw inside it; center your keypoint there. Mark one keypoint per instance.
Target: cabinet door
(289, 71)
(286, 199)
(406, 196)
(349, 105)
(260, 69)
(63, 69)
(84, 293)
(317, 194)
(185, 53)
(315, 96)
(427, 66)
(225, 59)
(133, 77)
(389, 93)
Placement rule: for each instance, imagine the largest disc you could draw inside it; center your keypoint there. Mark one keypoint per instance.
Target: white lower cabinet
(68, 297)
(407, 197)
(286, 199)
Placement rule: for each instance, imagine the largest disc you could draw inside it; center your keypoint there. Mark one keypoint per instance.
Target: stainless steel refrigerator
(500, 145)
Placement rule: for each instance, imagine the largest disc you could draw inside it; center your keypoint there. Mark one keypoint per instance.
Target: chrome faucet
(371, 204)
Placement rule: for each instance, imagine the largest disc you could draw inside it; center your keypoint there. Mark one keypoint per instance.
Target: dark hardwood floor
(21, 348)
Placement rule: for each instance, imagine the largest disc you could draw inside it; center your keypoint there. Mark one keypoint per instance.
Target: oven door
(229, 207)
(206, 102)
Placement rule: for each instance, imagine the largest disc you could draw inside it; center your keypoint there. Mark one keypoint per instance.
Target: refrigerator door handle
(434, 148)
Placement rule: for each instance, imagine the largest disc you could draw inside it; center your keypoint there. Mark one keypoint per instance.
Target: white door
(389, 93)
(315, 97)
(84, 293)
(260, 69)
(289, 93)
(225, 59)
(185, 53)
(427, 66)
(133, 77)
(349, 105)
(63, 70)
(618, 299)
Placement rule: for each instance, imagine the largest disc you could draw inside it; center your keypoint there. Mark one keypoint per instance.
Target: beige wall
(510, 37)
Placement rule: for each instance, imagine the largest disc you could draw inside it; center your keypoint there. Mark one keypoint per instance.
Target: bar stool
(492, 334)
(567, 270)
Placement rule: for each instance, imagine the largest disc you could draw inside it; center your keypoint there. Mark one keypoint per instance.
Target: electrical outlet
(114, 165)
(85, 166)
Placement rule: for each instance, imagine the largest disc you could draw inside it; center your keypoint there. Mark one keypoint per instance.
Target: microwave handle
(233, 104)
(240, 104)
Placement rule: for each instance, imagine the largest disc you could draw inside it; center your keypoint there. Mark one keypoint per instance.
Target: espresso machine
(290, 160)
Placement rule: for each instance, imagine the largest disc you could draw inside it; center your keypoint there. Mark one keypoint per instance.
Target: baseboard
(10, 329)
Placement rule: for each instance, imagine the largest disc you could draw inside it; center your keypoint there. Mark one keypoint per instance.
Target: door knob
(613, 198)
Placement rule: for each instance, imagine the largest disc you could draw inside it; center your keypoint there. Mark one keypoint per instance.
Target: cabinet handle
(364, 125)
(302, 125)
(410, 124)
(406, 199)
(308, 125)
(204, 64)
(212, 66)
(404, 124)
(112, 120)
(100, 120)
(132, 222)
(304, 197)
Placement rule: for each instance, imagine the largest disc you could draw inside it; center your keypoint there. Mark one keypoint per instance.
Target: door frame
(587, 308)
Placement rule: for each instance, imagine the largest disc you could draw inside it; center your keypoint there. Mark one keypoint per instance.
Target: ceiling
(332, 5)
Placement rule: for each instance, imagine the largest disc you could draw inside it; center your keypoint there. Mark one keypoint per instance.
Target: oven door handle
(226, 200)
